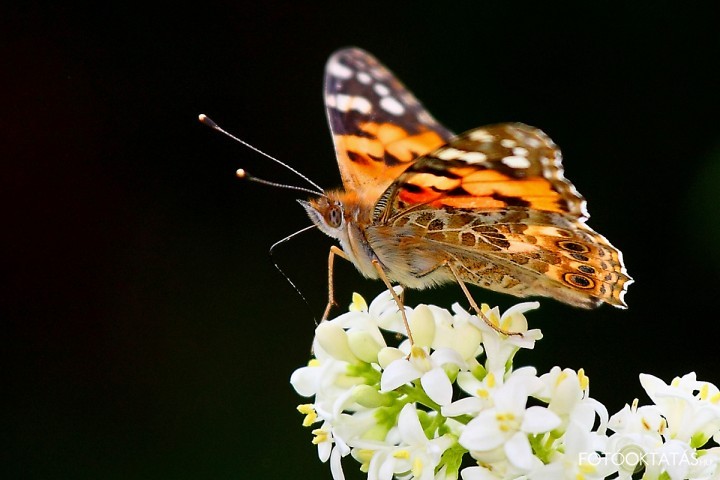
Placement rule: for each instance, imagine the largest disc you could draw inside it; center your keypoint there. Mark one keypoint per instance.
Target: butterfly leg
(331, 289)
(397, 299)
(474, 305)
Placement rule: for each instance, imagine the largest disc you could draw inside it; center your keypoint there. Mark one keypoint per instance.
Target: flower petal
(388, 355)
(422, 326)
(364, 345)
(482, 432)
(437, 385)
(518, 451)
(333, 339)
(539, 420)
(398, 373)
(305, 380)
(521, 308)
(336, 465)
(652, 385)
(411, 431)
(477, 473)
(463, 406)
(443, 356)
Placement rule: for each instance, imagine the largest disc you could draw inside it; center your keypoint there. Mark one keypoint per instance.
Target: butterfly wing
(379, 128)
(495, 203)
(498, 166)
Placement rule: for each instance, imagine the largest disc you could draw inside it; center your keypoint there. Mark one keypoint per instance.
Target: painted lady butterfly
(422, 207)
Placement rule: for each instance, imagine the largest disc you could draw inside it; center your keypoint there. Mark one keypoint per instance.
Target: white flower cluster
(453, 405)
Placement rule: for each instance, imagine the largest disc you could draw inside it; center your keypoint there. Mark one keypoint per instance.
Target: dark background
(145, 332)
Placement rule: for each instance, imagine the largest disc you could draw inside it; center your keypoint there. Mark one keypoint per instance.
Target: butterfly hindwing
(378, 126)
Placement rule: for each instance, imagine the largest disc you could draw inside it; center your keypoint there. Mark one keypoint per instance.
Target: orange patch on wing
(422, 195)
(385, 132)
(411, 147)
(398, 143)
(480, 189)
(479, 203)
(369, 164)
(474, 175)
(534, 187)
(360, 146)
(427, 180)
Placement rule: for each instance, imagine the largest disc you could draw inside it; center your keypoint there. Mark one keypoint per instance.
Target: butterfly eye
(333, 217)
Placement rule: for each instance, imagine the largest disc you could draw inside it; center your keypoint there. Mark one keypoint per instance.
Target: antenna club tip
(207, 121)
(241, 173)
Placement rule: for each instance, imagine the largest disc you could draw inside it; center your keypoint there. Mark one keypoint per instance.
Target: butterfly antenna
(280, 242)
(207, 121)
(241, 173)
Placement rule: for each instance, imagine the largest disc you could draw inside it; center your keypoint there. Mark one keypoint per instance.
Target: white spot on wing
(520, 151)
(507, 143)
(473, 157)
(515, 161)
(481, 136)
(346, 103)
(381, 89)
(337, 69)
(450, 154)
(550, 162)
(363, 77)
(390, 105)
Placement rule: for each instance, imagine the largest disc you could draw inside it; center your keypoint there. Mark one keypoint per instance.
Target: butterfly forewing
(378, 126)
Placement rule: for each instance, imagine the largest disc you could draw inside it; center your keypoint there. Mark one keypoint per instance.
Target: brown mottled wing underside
(378, 126)
(494, 203)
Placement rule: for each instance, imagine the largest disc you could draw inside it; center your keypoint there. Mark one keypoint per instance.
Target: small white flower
(382, 314)
(567, 394)
(645, 420)
(508, 423)
(689, 417)
(414, 454)
(673, 458)
(579, 458)
(323, 379)
(455, 332)
(482, 391)
(428, 368)
(330, 447)
(501, 348)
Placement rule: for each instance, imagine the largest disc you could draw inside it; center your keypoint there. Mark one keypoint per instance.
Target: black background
(145, 332)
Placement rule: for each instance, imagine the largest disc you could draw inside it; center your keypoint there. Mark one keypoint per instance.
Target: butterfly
(422, 207)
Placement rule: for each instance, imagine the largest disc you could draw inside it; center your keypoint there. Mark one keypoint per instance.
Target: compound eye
(334, 216)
